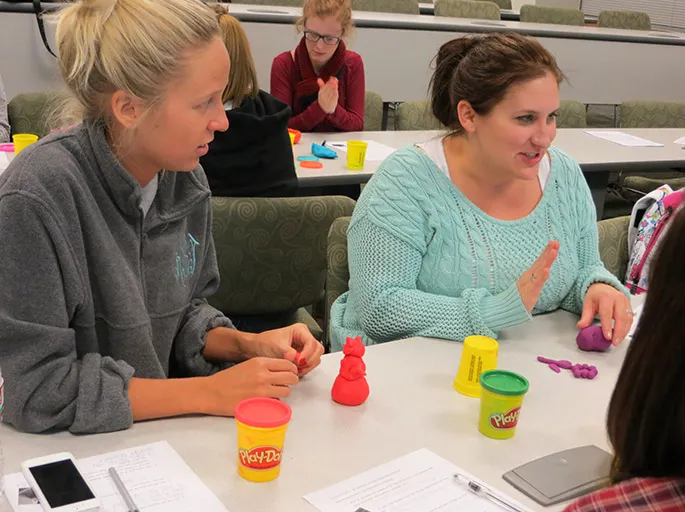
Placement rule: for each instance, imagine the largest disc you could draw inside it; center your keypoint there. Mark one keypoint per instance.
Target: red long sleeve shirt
(349, 114)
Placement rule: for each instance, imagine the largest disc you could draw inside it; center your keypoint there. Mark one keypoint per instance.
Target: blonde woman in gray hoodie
(106, 237)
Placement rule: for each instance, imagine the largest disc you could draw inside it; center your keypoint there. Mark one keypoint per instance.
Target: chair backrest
(272, 251)
(416, 115)
(652, 114)
(395, 6)
(30, 112)
(280, 3)
(479, 10)
(338, 274)
(373, 111)
(571, 115)
(502, 4)
(613, 245)
(554, 15)
(630, 20)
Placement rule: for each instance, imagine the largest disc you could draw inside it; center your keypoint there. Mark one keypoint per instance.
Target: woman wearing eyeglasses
(321, 80)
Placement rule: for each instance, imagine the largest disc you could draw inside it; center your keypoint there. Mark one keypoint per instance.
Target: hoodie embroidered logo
(186, 259)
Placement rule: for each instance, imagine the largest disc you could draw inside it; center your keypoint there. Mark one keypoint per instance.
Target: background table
(604, 66)
(597, 157)
(412, 405)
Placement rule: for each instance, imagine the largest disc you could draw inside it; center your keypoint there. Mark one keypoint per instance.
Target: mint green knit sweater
(425, 261)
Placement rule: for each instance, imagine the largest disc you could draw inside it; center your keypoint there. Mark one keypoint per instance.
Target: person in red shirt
(321, 80)
(646, 418)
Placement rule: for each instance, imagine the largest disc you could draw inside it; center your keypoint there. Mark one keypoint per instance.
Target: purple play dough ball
(592, 339)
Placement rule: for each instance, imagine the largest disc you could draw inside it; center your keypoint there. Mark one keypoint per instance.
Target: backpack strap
(639, 209)
(41, 26)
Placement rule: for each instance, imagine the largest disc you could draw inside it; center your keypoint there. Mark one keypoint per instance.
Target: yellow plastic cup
(478, 355)
(22, 141)
(292, 138)
(500, 403)
(356, 154)
(262, 423)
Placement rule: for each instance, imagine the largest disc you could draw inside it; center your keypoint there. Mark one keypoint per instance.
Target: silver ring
(629, 311)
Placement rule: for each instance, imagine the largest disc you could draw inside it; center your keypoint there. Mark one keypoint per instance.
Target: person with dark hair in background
(646, 420)
(254, 157)
(474, 231)
(4, 119)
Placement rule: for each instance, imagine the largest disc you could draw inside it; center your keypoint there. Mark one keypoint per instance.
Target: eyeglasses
(314, 38)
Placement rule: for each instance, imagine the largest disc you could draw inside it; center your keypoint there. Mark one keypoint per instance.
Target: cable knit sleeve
(590, 267)
(384, 270)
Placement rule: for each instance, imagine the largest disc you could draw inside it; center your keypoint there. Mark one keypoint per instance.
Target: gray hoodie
(93, 292)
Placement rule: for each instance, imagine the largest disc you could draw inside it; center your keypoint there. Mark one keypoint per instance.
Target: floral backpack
(648, 223)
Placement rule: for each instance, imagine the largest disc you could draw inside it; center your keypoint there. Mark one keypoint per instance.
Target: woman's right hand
(532, 280)
(259, 376)
(328, 94)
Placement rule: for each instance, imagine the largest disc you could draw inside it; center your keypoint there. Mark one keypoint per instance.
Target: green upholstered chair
(653, 114)
(373, 111)
(338, 274)
(272, 258)
(628, 20)
(30, 112)
(571, 115)
(613, 245)
(416, 115)
(554, 15)
(280, 3)
(502, 4)
(480, 10)
(395, 6)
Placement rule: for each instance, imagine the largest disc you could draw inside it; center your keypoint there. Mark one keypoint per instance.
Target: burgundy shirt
(635, 495)
(349, 114)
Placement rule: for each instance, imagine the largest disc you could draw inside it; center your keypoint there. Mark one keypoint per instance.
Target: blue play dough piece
(323, 151)
(308, 158)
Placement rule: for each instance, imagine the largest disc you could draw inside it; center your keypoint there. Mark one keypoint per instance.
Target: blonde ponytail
(137, 46)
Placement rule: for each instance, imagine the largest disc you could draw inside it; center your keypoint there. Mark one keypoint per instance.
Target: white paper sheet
(680, 140)
(418, 482)
(623, 139)
(4, 161)
(374, 152)
(155, 476)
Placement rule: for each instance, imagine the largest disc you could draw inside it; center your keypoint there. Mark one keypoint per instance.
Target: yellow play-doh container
(478, 355)
(262, 424)
(500, 403)
(356, 154)
(22, 141)
(292, 138)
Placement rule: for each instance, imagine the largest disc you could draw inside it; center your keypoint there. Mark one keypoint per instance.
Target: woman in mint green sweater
(473, 232)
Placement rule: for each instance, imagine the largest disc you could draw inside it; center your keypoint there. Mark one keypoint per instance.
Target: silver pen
(481, 490)
(130, 504)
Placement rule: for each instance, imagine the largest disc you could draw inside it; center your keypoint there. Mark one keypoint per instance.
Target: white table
(604, 65)
(597, 157)
(412, 405)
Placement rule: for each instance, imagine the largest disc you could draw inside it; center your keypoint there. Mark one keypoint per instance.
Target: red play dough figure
(350, 386)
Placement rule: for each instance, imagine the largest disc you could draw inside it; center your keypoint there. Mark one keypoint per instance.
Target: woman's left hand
(610, 304)
(294, 343)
